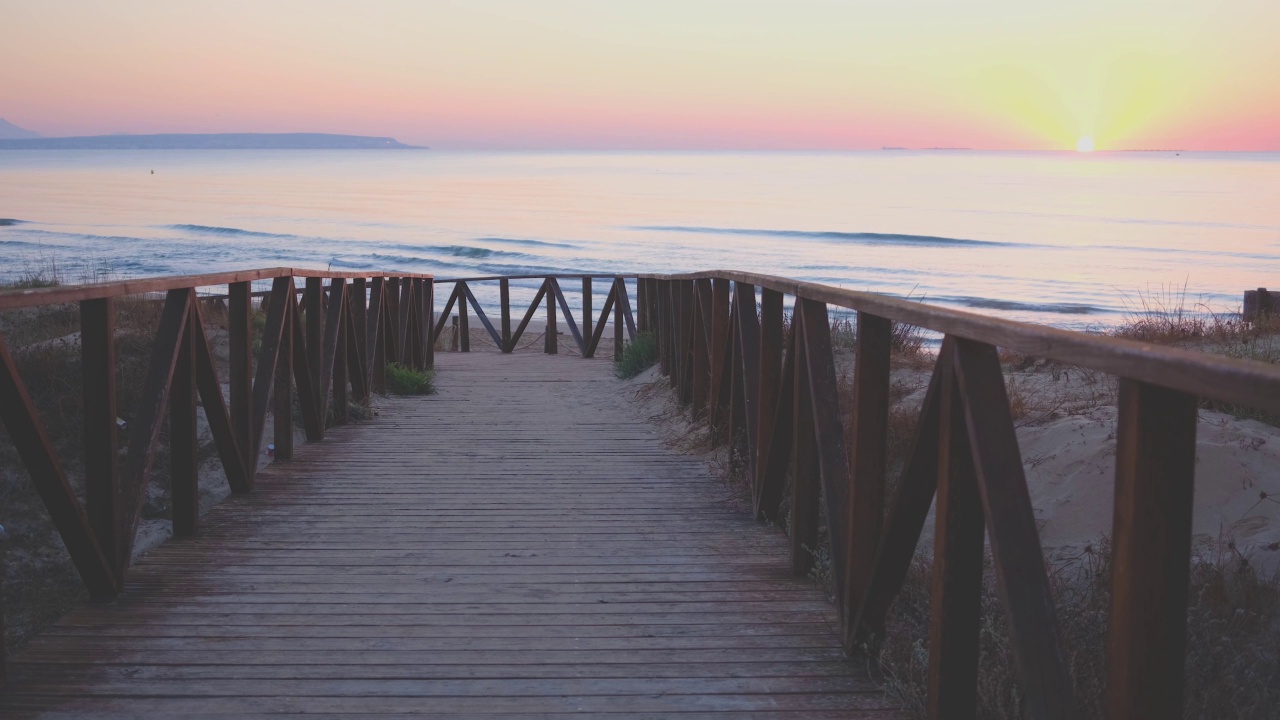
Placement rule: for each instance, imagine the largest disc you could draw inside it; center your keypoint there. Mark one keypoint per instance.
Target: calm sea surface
(1066, 239)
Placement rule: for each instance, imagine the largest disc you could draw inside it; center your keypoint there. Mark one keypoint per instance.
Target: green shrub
(403, 380)
(637, 357)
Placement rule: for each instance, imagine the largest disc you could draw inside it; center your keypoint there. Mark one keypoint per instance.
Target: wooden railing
(330, 340)
(586, 337)
(722, 342)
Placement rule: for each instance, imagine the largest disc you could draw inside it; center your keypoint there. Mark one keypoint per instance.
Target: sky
(656, 74)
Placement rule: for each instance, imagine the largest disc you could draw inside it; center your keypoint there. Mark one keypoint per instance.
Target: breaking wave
(864, 238)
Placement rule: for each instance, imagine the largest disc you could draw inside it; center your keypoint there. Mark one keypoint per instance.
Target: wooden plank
(377, 357)
(428, 324)
(956, 595)
(567, 314)
(101, 446)
(588, 317)
(550, 343)
(240, 364)
(338, 379)
(596, 334)
(448, 307)
(868, 444)
(304, 384)
(215, 410)
(184, 446)
(1043, 672)
(619, 303)
(31, 441)
(909, 509)
(12, 299)
(805, 480)
(273, 339)
(1252, 384)
(484, 319)
(747, 330)
(477, 576)
(144, 431)
(719, 304)
(699, 351)
(328, 353)
(504, 293)
(627, 316)
(358, 304)
(777, 457)
(282, 388)
(313, 305)
(832, 460)
(528, 316)
(1150, 551)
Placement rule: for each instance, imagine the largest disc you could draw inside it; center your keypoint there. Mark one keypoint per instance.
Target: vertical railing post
(957, 568)
(464, 325)
(338, 379)
(313, 305)
(1150, 551)
(719, 303)
(805, 507)
(588, 321)
(429, 323)
(551, 342)
(663, 325)
(375, 336)
(284, 384)
(184, 447)
(868, 443)
(240, 359)
(101, 441)
(504, 291)
(620, 295)
(772, 341)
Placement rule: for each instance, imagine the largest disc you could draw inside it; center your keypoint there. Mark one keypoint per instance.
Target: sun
(1084, 144)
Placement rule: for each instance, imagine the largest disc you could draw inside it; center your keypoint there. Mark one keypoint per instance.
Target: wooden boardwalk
(521, 544)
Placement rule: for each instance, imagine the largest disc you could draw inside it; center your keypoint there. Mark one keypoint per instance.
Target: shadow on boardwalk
(520, 544)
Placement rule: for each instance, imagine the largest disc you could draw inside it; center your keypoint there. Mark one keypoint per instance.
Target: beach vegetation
(404, 380)
(639, 355)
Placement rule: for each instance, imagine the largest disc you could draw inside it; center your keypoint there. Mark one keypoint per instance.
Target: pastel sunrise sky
(656, 74)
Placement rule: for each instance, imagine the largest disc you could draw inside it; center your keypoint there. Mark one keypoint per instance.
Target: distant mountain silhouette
(218, 141)
(9, 131)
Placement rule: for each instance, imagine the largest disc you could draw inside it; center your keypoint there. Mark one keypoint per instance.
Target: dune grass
(404, 380)
(637, 356)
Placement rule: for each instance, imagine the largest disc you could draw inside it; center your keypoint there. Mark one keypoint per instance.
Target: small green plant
(403, 380)
(637, 357)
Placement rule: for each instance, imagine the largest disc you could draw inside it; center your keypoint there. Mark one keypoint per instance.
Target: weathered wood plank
(495, 577)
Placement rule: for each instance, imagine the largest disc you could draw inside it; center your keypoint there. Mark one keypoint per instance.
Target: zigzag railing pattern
(770, 388)
(586, 337)
(332, 344)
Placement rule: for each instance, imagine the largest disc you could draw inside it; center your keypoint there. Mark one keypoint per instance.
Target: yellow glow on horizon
(1084, 145)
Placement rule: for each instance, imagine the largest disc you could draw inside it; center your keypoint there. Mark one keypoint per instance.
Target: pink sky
(689, 74)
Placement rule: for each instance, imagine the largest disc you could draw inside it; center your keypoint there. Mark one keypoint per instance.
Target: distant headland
(214, 141)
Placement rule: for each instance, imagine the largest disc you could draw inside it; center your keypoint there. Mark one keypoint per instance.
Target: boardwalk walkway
(519, 545)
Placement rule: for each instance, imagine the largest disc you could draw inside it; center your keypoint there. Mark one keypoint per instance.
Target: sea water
(1073, 240)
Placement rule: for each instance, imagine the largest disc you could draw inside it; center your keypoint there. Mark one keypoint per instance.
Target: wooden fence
(725, 343)
(722, 342)
(330, 340)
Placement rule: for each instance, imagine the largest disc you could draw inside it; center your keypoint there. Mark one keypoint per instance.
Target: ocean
(1072, 240)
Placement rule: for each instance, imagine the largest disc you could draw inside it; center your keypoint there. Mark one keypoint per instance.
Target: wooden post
(1150, 551)
(240, 359)
(771, 347)
(429, 318)
(588, 319)
(620, 294)
(101, 443)
(551, 342)
(313, 299)
(804, 473)
(357, 333)
(284, 389)
(375, 335)
(957, 569)
(464, 324)
(184, 447)
(339, 377)
(719, 335)
(867, 445)
(504, 291)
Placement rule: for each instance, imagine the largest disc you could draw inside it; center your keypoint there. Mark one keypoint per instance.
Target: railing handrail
(14, 299)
